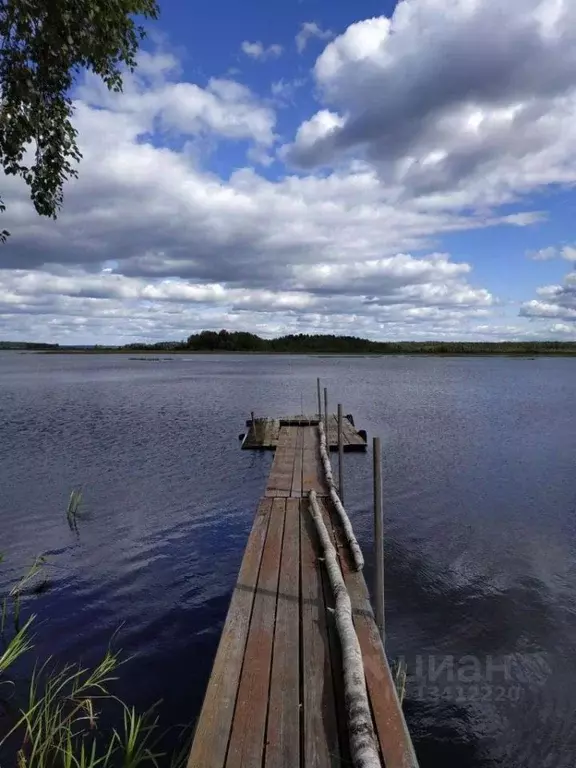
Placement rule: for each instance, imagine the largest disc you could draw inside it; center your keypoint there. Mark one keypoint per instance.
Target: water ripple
(480, 531)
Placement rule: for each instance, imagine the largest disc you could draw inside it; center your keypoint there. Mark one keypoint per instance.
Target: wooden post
(340, 455)
(378, 538)
(252, 416)
(319, 400)
(326, 419)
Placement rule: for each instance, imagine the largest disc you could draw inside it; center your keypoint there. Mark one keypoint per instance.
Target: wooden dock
(275, 696)
(264, 433)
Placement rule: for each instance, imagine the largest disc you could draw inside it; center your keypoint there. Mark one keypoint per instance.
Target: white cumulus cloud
(469, 106)
(309, 30)
(153, 243)
(258, 50)
(224, 108)
(567, 252)
(555, 302)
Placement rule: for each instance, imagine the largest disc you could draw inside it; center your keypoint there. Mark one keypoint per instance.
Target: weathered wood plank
(321, 747)
(332, 436)
(263, 433)
(283, 731)
(288, 465)
(389, 723)
(351, 434)
(313, 478)
(352, 440)
(271, 434)
(348, 432)
(248, 729)
(297, 470)
(215, 721)
(333, 431)
(280, 478)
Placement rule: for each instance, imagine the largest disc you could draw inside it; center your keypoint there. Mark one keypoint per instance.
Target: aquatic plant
(18, 645)
(57, 725)
(74, 511)
(400, 670)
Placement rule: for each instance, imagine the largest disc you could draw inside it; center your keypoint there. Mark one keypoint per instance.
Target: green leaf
(44, 46)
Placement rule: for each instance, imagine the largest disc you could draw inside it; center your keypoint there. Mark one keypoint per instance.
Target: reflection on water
(480, 525)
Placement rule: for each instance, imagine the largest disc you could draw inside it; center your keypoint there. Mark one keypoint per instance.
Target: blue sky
(390, 171)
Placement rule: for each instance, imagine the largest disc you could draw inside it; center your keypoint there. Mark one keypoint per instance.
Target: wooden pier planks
(249, 726)
(265, 434)
(280, 478)
(215, 722)
(275, 697)
(296, 468)
(354, 441)
(283, 731)
(296, 490)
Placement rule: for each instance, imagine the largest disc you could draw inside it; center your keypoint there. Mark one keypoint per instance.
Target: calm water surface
(480, 490)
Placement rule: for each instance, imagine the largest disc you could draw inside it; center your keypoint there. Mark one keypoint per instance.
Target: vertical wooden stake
(319, 400)
(340, 454)
(326, 418)
(252, 415)
(378, 537)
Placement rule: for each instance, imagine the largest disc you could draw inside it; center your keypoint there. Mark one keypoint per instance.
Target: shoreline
(532, 354)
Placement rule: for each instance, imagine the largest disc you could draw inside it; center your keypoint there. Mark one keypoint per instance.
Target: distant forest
(225, 341)
(228, 341)
(30, 345)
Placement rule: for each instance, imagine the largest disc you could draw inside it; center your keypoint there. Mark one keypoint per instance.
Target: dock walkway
(275, 696)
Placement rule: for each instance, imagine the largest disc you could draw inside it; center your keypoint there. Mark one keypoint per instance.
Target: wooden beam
(283, 731)
(215, 721)
(248, 729)
(298, 469)
(280, 478)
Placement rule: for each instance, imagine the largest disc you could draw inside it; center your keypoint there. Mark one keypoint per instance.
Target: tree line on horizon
(303, 343)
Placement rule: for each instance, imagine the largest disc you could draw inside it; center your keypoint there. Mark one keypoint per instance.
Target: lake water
(480, 506)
